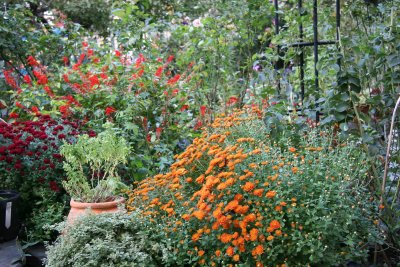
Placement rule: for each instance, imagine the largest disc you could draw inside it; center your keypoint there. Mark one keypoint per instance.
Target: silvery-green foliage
(112, 239)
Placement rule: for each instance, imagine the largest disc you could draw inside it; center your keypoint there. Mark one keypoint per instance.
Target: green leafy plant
(91, 166)
(117, 239)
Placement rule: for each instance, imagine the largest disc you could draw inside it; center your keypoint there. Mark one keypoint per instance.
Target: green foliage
(91, 166)
(48, 209)
(108, 239)
(93, 15)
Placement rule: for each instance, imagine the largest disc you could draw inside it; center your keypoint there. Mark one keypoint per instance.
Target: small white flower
(197, 23)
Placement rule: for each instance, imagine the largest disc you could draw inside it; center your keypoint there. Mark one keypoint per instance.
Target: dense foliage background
(161, 70)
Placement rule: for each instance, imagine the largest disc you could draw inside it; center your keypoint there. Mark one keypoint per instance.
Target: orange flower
(278, 232)
(230, 251)
(199, 214)
(238, 197)
(225, 238)
(231, 205)
(257, 251)
(270, 194)
(200, 253)
(250, 218)
(236, 257)
(278, 208)
(258, 192)
(253, 234)
(249, 186)
(253, 165)
(270, 238)
(295, 170)
(195, 237)
(218, 253)
(242, 209)
(292, 149)
(221, 186)
(200, 179)
(274, 224)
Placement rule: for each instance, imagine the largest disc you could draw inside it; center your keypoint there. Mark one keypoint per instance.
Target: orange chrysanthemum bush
(234, 197)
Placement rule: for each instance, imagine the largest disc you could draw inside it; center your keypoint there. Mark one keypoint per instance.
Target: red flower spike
(170, 58)
(32, 61)
(35, 109)
(66, 61)
(159, 72)
(184, 107)
(13, 115)
(27, 79)
(203, 110)
(110, 110)
(48, 91)
(19, 105)
(90, 52)
(158, 132)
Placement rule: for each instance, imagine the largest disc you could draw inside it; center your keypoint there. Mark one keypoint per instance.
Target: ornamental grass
(235, 196)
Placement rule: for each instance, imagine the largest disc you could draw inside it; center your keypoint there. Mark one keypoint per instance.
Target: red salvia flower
(184, 107)
(158, 132)
(13, 115)
(81, 58)
(65, 78)
(170, 58)
(90, 52)
(48, 91)
(203, 110)
(174, 79)
(27, 79)
(159, 72)
(19, 105)
(110, 110)
(10, 79)
(64, 109)
(35, 109)
(32, 61)
(66, 61)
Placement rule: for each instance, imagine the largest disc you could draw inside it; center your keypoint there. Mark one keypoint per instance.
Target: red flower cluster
(30, 149)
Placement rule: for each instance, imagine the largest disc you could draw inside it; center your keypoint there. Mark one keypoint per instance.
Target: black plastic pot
(9, 219)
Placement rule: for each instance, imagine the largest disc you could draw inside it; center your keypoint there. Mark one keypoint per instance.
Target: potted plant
(9, 221)
(91, 167)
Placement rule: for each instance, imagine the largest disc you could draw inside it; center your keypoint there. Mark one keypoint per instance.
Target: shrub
(154, 103)
(235, 197)
(112, 239)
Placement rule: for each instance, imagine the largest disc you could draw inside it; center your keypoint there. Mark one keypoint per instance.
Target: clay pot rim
(100, 205)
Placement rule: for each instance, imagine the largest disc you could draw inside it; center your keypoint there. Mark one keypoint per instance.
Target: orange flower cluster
(211, 196)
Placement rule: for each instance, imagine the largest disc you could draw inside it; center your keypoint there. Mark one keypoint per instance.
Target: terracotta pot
(81, 208)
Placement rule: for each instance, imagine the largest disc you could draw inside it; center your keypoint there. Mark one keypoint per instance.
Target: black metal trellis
(315, 43)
